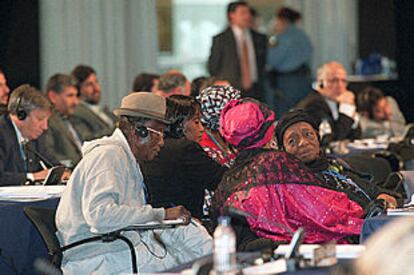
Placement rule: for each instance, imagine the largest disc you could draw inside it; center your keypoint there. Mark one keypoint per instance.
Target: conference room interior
(121, 39)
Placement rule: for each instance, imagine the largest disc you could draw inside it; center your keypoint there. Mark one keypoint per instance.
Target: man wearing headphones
(106, 192)
(23, 156)
(332, 103)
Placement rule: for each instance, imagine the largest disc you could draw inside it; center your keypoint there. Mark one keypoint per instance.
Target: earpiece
(142, 131)
(20, 112)
(175, 130)
(321, 86)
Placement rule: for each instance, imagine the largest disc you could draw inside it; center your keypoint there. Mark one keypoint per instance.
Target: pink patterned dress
(273, 186)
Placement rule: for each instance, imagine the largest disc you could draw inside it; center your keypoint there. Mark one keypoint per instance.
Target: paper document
(408, 211)
(344, 251)
(28, 193)
(156, 224)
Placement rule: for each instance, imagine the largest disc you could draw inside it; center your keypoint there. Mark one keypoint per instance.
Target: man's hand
(66, 175)
(178, 212)
(41, 175)
(390, 201)
(346, 97)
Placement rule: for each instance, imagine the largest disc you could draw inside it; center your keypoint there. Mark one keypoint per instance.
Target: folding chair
(44, 221)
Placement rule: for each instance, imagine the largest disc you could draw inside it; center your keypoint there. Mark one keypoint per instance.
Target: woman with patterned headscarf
(212, 100)
(276, 188)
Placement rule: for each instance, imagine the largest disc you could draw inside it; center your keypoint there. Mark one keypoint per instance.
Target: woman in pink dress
(274, 187)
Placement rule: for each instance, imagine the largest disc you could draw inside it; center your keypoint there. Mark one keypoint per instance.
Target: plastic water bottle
(224, 248)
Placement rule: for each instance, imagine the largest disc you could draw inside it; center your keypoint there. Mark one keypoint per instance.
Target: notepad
(408, 211)
(343, 251)
(30, 193)
(156, 225)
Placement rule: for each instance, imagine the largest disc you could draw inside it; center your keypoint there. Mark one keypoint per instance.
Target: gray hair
(27, 98)
(327, 67)
(170, 81)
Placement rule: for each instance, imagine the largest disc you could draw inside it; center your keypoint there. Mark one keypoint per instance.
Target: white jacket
(105, 193)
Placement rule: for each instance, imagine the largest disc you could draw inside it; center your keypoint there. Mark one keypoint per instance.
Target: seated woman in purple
(274, 186)
(297, 134)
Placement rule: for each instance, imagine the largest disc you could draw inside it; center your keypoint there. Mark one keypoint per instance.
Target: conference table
(372, 225)
(20, 243)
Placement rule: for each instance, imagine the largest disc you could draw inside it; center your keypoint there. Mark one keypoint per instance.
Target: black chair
(44, 221)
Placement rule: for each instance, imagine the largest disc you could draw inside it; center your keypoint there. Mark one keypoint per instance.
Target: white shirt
(99, 112)
(239, 33)
(21, 140)
(344, 108)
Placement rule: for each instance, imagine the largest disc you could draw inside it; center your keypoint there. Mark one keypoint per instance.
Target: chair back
(44, 221)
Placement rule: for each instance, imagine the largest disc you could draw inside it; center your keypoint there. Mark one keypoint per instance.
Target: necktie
(246, 77)
(23, 152)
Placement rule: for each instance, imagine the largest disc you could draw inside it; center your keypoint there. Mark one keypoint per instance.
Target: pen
(191, 220)
(43, 165)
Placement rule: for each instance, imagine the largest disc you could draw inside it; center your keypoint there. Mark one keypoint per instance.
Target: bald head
(332, 79)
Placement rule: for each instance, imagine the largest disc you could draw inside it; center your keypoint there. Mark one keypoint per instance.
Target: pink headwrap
(247, 123)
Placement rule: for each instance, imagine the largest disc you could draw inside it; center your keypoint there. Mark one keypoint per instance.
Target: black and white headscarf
(212, 100)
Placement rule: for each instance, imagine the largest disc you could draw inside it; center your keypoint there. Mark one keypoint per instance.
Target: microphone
(40, 156)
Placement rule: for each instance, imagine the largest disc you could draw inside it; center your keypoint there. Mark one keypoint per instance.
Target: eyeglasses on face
(152, 130)
(337, 81)
(149, 129)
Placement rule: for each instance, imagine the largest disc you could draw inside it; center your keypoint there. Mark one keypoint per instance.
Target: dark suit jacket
(12, 166)
(179, 175)
(224, 60)
(314, 103)
(90, 125)
(60, 142)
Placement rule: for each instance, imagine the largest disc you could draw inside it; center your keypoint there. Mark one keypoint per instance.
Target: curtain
(332, 26)
(117, 38)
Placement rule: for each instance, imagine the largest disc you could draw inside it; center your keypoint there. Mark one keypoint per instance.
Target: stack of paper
(409, 211)
(345, 251)
(30, 193)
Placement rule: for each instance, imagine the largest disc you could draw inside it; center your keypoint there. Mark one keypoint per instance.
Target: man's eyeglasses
(152, 130)
(143, 128)
(337, 81)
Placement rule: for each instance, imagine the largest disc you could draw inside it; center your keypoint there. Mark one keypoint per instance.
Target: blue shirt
(292, 50)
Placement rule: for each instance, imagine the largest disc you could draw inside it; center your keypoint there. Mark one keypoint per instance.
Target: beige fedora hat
(143, 104)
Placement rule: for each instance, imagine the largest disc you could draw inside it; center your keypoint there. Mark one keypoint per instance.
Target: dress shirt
(239, 35)
(21, 140)
(100, 112)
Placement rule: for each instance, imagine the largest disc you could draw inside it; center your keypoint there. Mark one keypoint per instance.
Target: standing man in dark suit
(62, 139)
(23, 156)
(90, 119)
(239, 54)
(333, 104)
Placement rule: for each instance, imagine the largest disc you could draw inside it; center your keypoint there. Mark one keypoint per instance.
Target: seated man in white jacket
(106, 192)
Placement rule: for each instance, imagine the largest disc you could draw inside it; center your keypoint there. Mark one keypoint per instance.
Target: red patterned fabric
(276, 187)
(214, 152)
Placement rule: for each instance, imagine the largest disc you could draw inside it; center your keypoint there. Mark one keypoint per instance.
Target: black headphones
(141, 131)
(321, 86)
(20, 112)
(176, 129)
